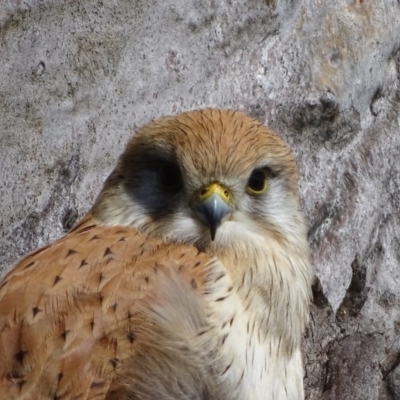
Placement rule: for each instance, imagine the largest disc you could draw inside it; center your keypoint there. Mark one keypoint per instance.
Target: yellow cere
(206, 191)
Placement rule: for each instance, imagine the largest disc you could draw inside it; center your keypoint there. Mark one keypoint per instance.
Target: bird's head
(206, 177)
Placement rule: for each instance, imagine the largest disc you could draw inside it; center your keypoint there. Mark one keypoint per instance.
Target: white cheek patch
(182, 227)
(276, 207)
(120, 210)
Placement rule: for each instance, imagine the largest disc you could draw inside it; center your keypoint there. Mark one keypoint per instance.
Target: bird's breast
(257, 361)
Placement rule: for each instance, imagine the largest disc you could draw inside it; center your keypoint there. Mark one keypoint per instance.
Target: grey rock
(77, 78)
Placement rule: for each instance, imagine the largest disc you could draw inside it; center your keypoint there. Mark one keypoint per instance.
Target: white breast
(256, 364)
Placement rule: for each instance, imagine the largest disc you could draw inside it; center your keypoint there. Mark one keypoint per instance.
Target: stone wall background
(77, 78)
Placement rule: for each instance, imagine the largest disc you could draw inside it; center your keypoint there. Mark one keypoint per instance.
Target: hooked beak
(212, 203)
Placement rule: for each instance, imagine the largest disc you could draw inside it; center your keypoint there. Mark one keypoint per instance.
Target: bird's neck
(272, 279)
(258, 302)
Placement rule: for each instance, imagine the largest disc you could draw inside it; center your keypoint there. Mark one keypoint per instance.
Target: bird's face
(207, 177)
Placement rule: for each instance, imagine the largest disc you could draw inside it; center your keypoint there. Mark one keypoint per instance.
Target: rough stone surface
(77, 78)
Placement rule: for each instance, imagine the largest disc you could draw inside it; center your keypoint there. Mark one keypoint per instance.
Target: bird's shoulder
(70, 311)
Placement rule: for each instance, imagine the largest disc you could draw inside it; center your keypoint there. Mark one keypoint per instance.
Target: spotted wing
(72, 313)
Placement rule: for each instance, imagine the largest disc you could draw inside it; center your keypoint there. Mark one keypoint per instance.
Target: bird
(189, 278)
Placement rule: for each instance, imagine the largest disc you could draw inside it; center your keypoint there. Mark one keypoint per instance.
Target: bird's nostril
(226, 193)
(203, 192)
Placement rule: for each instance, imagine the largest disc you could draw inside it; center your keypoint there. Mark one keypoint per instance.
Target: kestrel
(189, 279)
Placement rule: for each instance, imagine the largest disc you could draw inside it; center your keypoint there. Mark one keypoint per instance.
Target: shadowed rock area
(77, 78)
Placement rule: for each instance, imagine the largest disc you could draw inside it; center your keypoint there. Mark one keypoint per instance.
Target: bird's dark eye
(169, 177)
(257, 183)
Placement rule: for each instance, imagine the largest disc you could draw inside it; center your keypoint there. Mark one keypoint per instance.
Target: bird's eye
(169, 177)
(257, 183)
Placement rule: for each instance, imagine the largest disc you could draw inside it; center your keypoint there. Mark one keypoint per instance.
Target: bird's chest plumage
(256, 361)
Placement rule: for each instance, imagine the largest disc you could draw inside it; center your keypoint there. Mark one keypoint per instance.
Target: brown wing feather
(70, 313)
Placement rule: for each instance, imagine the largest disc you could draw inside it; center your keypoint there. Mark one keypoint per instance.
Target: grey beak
(212, 212)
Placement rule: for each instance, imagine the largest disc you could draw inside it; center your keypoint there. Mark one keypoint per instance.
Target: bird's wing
(73, 313)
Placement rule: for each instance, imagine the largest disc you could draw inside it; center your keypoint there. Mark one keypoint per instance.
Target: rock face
(76, 79)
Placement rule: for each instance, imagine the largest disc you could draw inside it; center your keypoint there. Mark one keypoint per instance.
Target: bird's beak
(212, 203)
